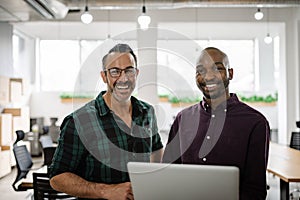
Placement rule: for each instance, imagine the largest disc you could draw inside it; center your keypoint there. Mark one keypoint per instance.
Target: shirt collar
(233, 99)
(137, 106)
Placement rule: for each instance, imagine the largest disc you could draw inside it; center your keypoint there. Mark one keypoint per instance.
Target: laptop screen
(182, 181)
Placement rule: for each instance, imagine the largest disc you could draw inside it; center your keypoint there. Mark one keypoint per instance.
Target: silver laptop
(181, 181)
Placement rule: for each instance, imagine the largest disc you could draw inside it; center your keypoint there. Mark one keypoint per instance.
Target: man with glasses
(98, 140)
(221, 130)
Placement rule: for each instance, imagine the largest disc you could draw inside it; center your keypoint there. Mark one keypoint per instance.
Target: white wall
(6, 61)
(25, 64)
(48, 104)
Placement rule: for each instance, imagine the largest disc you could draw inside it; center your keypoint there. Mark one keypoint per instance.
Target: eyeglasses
(116, 72)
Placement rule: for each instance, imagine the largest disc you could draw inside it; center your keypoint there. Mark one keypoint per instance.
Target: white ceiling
(117, 30)
(73, 30)
(20, 11)
(118, 16)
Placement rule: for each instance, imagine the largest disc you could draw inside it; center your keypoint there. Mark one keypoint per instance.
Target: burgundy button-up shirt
(233, 134)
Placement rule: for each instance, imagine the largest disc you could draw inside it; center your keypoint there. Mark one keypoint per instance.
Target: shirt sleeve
(172, 153)
(156, 139)
(70, 150)
(254, 184)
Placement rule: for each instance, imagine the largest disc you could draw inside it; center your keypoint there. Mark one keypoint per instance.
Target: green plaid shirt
(96, 144)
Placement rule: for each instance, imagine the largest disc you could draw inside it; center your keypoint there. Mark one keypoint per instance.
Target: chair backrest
(48, 155)
(295, 140)
(20, 136)
(24, 164)
(43, 190)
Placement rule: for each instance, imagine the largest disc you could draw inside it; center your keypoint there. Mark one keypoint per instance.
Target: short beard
(218, 94)
(116, 97)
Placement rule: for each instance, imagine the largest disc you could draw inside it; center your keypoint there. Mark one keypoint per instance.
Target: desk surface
(284, 162)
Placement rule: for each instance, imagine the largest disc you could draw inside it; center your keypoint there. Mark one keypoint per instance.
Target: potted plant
(75, 98)
(163, 98)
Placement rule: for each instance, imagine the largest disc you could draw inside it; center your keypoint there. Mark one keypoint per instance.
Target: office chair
(48, 148)
(295, 144)
(23, 162)
(48, 155)
(43, 190)
(295, 140)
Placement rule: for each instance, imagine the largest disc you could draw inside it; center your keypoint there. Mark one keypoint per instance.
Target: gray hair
(119, 48)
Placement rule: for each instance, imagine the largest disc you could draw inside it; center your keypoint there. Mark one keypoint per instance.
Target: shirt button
(204, 159)
(213, 116)
(208, 137)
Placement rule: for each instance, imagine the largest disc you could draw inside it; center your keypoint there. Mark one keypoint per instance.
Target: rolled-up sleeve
(70, 149)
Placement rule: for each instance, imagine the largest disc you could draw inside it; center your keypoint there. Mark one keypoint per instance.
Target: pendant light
(86, 17)
(258, 15)
(108, 25)
(268, 39)
(144, 20)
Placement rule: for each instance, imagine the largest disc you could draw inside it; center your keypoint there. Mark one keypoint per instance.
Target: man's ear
(230, 73)
(103, 76)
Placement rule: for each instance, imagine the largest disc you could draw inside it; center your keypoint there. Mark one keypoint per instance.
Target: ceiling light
(144, 20)
(268, 39)
(86, 17)
(258, 15)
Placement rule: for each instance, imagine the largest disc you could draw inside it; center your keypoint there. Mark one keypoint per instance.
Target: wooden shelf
(253, 104)
(163, 99)
(75, 100)
(183, 105)
(261, 104)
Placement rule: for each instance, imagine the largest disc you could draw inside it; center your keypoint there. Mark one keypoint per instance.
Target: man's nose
(211, 74)
(123, 76)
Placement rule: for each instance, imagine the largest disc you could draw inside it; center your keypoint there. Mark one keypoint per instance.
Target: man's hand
(122, 191)
(76, 186)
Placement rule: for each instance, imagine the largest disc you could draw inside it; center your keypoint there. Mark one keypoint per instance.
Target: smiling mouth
(122, 87)
(210, 86)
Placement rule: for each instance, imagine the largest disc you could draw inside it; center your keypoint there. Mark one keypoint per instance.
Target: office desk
(284, 162)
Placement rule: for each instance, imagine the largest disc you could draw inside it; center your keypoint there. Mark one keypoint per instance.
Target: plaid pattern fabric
(96, 144)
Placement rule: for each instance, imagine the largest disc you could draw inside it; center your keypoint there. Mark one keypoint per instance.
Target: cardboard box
(17, 124)
(18, 112)
(13, 111)
(4, 90)
(20, 119)
(25, 87)
(12, 155)
(15, 90)
(5, 166)
(18, 80)
(5, 129)
(5, 148)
